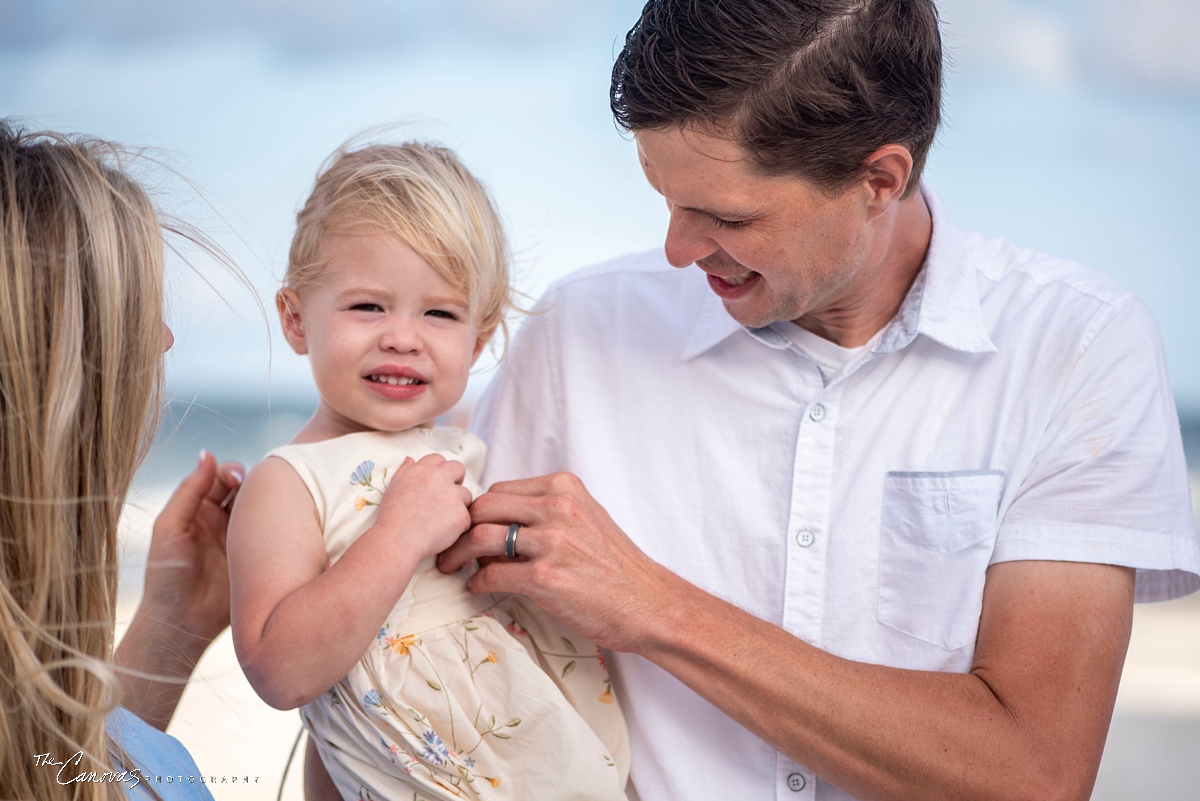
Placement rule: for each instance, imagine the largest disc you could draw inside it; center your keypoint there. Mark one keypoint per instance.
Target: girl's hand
(426, 504)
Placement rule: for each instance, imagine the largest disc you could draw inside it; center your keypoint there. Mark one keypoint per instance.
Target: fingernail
(237, 476)
(203, 456)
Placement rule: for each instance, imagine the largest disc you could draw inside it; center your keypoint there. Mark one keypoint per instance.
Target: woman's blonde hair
(81, 341)
(422, 194)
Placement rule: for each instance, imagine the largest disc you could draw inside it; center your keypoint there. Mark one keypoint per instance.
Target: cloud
(1143, 44)
(306, 27)
(1149, 43)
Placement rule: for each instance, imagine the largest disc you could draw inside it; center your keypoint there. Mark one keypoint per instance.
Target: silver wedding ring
(510, 541)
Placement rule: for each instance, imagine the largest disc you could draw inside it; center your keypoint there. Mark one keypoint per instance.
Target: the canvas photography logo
(72, 771)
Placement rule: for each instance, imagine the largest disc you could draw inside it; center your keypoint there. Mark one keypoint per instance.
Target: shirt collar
(944, 300)
(942, 304)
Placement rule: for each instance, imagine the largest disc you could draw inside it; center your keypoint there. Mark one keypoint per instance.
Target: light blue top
(157, 760)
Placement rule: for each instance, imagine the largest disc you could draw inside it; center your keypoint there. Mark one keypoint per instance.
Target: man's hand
(573, 560)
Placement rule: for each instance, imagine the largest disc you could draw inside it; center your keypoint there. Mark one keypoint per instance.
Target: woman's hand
(185, 600)
(187, 576)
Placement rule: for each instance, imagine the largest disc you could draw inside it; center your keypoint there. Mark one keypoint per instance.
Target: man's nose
(686, 243)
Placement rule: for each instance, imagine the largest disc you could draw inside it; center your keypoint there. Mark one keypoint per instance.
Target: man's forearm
(885, 733)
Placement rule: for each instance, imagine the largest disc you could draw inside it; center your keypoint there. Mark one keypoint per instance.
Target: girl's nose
(400, 335)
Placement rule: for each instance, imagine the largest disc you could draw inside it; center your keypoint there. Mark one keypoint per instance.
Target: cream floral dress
(459, 696)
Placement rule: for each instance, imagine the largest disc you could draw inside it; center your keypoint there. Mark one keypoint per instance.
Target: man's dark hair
(806, 87)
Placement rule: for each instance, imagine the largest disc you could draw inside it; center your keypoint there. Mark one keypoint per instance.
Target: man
(861, 505)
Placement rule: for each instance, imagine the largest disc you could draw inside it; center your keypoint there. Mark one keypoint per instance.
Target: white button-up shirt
(1017, 407)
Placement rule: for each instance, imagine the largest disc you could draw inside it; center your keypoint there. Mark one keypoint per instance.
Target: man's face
(774, 248)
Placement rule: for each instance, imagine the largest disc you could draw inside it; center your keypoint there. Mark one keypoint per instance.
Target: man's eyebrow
(728, 215)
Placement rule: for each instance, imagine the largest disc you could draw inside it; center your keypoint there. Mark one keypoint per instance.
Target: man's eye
(368, 307)
(720, 223)
(442, 313)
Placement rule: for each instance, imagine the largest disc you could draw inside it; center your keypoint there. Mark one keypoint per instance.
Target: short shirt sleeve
(519, 415)
(1108, 483)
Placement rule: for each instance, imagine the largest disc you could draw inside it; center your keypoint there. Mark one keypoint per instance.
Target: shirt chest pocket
(936, 539)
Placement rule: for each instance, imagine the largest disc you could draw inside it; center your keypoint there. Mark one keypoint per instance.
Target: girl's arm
(299, 626)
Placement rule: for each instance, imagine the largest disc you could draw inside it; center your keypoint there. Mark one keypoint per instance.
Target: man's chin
(748, 316)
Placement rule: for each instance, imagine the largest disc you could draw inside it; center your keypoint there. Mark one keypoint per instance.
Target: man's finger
(495, 507)
(501, 577)
(479, 542)
(549, 484)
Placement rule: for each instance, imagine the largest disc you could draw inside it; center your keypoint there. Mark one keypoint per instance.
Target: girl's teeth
(393, 380)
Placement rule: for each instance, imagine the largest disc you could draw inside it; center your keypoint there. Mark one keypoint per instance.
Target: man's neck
(874, 296)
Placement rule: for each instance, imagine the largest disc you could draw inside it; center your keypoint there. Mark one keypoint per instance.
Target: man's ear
(287, 302)
(889, 170)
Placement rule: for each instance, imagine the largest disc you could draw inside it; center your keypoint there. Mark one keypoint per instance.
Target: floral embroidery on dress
(570, 653)
(373, 699)
(424, 748)
(435, 750)
(398, 645)
(362, 476)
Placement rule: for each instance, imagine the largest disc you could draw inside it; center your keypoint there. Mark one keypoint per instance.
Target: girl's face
(389, 340)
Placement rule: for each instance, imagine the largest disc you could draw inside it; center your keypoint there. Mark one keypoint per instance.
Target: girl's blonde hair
(422, 194)
(81, 341)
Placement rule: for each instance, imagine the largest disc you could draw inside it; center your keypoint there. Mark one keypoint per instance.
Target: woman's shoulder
(154, 754)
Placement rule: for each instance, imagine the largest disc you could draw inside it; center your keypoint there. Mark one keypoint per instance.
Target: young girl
(410, 686)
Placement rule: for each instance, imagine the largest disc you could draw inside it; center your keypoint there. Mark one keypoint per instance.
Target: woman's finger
(181, 507)
(229, 479)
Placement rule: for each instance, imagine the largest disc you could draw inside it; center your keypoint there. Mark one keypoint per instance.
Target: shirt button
(796, 782)
(817, 413)
(805, 538)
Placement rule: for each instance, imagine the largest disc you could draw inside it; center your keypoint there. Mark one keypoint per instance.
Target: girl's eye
(368, 307)
(442, 313)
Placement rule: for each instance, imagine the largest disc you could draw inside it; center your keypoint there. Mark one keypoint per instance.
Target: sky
(1068, 126)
